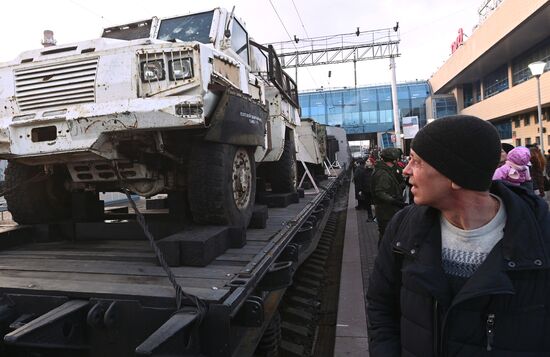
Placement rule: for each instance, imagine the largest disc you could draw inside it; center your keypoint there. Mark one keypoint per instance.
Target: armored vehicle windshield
(133, 31)
(195, 27)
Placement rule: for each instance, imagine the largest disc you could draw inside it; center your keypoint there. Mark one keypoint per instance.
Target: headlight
(180, 68)
(152, 70)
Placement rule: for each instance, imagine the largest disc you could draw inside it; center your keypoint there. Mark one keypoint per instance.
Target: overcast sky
(427, 27)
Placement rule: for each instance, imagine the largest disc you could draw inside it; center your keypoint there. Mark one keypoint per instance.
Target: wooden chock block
(195, 247)
(259, 217)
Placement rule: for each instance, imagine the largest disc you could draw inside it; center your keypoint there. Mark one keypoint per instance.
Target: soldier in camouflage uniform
(387, 190)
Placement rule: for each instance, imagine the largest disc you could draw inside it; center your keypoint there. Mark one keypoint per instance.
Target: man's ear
(454, 186)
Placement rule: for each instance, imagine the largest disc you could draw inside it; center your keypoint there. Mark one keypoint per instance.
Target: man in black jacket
(362, 180)
(387, 190)
(466, 270)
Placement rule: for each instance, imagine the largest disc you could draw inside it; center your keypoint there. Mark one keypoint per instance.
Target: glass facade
(468, 94)
(495, 82)
(444, 105)
(498, 80)
(520, 65)
(365, 109)
(504, 129)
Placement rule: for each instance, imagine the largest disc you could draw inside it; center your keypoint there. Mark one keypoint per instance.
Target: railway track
(309, 309)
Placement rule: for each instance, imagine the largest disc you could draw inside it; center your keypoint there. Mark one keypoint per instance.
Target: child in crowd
(515, 170)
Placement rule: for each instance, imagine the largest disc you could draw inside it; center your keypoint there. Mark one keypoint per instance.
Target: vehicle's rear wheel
(31, 202)
(283, 174)
(222, 184)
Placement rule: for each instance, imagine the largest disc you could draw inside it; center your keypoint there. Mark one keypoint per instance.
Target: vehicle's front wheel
(42, 201)
(222, 184)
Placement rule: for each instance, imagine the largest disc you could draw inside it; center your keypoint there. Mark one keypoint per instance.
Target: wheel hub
(242, 178)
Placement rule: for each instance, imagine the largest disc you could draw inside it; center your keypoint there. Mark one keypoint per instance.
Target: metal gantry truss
(486, 8)
(350, 47)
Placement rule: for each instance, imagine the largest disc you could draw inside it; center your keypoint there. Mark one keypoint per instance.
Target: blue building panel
(365, 109)
(355, 130)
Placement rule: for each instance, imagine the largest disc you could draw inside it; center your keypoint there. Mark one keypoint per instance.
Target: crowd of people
(379, 182)
(463, 266)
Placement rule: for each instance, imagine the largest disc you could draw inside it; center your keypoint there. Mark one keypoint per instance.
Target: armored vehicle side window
(258, 60)
(128, 32)
(239, 40)
(194, 27)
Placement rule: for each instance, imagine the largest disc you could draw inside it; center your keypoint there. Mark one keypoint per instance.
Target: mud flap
(238, 120)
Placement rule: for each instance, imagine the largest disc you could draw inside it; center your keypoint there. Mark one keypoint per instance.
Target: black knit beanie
(463, 148)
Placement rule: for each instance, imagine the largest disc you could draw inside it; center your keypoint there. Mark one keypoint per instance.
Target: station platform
(360, 249)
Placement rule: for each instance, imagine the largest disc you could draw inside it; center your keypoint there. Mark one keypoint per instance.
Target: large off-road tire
(283, 174)
(42, 201)
(221, 184)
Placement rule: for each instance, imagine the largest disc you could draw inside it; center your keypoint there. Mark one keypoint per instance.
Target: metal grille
(56, 85)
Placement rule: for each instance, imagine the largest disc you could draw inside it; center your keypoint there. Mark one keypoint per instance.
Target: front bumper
(79, 128)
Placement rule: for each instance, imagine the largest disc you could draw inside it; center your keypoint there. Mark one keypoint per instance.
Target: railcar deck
(128, 268)
(73, 286)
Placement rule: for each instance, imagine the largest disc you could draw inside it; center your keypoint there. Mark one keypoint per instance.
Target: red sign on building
(458, 42)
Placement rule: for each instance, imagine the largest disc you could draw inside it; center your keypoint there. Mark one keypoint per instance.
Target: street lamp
(537, 68)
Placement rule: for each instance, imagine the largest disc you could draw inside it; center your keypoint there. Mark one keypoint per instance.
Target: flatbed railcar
(97, 289)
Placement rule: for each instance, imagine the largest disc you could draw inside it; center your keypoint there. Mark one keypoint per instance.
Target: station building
(487, 74)
(367, 111)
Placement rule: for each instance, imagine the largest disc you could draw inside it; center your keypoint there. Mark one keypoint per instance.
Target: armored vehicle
(184, 105)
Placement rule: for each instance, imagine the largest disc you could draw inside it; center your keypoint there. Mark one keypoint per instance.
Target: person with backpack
(465, 271)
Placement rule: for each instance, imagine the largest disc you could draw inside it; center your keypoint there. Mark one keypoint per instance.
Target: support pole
(396, 122)
(336, 163)
(329, 167)
(355, 70)
(308, 174)
(296, 75)
(539, 110)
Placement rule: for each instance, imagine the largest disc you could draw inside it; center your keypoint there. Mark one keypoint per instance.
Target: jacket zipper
(436, 328)
(492, 322)
(490, 329)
